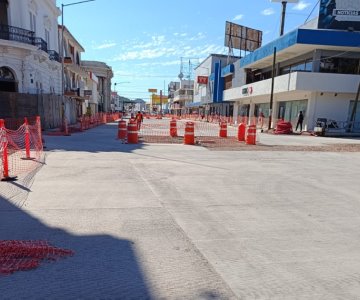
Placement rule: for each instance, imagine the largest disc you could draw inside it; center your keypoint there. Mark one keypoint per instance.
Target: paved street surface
(154, 221)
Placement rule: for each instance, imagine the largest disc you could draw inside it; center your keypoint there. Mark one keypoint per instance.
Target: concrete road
(182, 222)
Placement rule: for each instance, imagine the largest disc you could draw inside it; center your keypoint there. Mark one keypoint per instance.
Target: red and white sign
(202, 79)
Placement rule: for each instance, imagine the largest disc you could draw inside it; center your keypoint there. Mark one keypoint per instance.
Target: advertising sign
(241, 37)
(202, 80)
(156, 100)
(339, 14)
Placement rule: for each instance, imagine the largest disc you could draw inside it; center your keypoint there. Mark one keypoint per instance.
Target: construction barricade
(122, 130)
(189, 136)
(132, 133)
(223, 129)
(173, 128)
(21, 150)
(251, 135)
(241, 132)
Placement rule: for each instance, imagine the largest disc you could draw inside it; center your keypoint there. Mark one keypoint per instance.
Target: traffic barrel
(241, 132)
(122, 130)
(251, 135)
(189, 138)
(132, 133)
(173, 128)
(223, 130)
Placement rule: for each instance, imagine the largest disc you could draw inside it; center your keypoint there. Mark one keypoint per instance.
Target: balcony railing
(40, 43)
(21, 35)
(53, 55)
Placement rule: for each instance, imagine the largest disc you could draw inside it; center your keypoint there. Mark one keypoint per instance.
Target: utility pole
(272, 88)
(160, 102)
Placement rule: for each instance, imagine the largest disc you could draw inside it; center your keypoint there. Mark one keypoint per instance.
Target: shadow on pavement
(98, 139)
(103, 267)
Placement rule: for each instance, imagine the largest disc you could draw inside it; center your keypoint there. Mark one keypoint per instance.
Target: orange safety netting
(27, 255)
(158, 131)
(21, 150)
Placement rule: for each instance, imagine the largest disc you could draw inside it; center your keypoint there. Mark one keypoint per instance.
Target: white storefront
(317, 72)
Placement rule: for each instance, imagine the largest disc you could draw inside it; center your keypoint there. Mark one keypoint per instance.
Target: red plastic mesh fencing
(283, 127)
(206, 133)
(27, 255)
(21, 150)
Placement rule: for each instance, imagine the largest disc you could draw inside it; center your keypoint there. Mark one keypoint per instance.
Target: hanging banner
(339, 14)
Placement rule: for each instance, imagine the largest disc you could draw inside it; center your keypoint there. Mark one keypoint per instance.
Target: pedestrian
(300, 121)
(139, 118)
(261, 120)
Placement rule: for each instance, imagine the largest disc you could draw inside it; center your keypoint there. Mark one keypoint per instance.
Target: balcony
(53, 55)
(20, 35)
(294, 82)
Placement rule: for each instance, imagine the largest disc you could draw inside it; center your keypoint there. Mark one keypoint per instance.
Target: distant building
(104, 74)
(212, 76)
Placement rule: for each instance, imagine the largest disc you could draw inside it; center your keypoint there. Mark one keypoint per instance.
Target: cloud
(238, 17)
(268, 12)
(105, 46)
(301, 5)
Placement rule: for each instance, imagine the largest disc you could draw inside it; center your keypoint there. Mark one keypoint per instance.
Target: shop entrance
(289, 110)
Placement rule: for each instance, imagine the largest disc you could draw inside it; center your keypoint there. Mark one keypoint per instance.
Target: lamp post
(62, 41)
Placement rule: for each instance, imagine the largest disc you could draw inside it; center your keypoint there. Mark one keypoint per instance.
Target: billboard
(241, 37)
(155, 99)
(339, 14)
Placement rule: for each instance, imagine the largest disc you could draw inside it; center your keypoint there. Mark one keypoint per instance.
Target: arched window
(7, 80)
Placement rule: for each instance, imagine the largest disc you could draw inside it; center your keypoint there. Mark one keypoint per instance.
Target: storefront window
(340, 65)
(289, 110)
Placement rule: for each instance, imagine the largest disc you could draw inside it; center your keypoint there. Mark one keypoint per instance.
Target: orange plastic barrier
(21, 150)
(223, 130)
(66, 128)
(17, 255)
(241, 132)
(189, 138)
(173, 128)
(132, 133)
(251, 135)
(122, 130)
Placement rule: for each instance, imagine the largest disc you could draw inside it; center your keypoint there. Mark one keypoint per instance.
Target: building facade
(29, 59)
(316, 71)
(214, 75)
(104, 74)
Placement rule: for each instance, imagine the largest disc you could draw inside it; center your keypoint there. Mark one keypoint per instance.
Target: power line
(312, 11)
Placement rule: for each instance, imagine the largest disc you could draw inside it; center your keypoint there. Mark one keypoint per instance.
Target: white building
(104, 74)
(316, 71)
(29, 61)
(209, 76)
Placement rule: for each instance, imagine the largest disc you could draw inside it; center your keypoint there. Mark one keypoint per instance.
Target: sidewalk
(182, 222)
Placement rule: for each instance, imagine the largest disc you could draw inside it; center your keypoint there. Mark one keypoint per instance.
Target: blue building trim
(218, 84)
(307, 37)
(228, 70)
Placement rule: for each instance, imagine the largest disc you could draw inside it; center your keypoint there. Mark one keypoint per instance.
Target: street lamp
(62, 40)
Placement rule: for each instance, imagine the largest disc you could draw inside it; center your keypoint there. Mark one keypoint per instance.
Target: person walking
(300, 121)
(139, 119)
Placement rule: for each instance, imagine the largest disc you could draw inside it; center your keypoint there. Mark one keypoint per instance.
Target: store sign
(202, 79)
(339, 14)
(87, 92)
(247, 91)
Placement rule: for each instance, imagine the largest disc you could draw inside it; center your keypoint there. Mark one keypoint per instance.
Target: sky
(144, 42)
